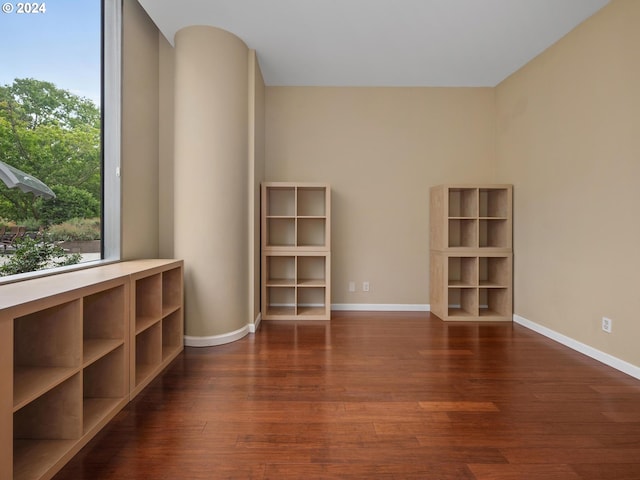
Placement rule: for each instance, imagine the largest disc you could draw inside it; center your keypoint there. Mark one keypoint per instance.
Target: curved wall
(210, 182)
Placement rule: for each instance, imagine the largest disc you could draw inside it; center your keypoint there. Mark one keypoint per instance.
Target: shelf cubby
(47, 350)
(148, 352)
(463, 302)
(148, 301)
(495, 302)
(280, 301)
(281, 232)
(103, 321)
(171, 290)
(495, 271)
(311, 232)
(104, 387)
(494, 233)
(311, 202)
(172, 334)
(281, 202)
(312, 270)
(494, 202)
(311, 301)
(280, 270)
(463, 233)
(463, 203)
(462, 271)
(46, 428)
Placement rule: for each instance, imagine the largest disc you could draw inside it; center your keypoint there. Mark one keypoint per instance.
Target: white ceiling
(383, 42)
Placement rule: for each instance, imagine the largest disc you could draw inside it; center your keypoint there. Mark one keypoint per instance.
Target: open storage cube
(104, 387)
(311, 232)
(148, 300)
(280, 301)
(463, 233)
(463, 271)
(280, 270)
(311, 201)
(172, 338)
(495, 302)
(311, 301)
(495, 271)
(494, 202)
(463, 302)
(463, 203)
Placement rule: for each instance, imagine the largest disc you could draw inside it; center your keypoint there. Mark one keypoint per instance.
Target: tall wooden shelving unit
(296, 251)
(70, 349)
(471, 258)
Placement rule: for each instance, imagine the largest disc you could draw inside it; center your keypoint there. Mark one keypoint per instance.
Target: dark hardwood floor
(376, 396)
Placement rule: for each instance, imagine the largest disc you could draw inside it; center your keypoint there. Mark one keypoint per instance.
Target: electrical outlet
(365, 286)
(352, 286)
(607, 324)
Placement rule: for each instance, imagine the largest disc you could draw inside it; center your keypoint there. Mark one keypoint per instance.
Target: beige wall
(256, 176)
(210, 178)
(166, 146)
(380, 149)
(139, 163)
(568, 138)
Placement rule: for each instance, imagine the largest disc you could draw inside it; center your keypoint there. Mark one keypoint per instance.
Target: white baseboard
(380, 307)
(594, 353)
(253, 327)
(215, 340)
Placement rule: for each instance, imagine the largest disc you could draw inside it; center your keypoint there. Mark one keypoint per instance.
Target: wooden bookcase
(471, 258)
(65, 348)
(296, 251)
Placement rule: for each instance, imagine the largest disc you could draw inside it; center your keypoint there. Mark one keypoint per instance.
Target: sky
(61, 45)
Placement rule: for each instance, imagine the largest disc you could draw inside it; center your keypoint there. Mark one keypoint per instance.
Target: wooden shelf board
(311, 282)
(459, 284)
(488, 284)
(142, 323)
(459, 312)
(144, 370)
(31, 382)
(307, 311)
(96, 409)
(169, 309)
(487, 312)
(169, 351)
(281, 282)
(35, 458)
(94, 349)
(280, 310)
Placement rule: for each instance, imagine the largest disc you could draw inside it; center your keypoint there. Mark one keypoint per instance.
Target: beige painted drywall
(139, 161)
(380, 149)
(256, 176)
(211, 187)
(166, 147)
(568, 138)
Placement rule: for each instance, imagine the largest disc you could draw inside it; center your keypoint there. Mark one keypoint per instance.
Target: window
(59, 133)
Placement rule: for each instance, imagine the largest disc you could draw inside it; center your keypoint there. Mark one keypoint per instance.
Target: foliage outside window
(51, 129)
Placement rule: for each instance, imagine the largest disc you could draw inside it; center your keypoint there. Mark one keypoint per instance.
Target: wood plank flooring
(376, 396)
